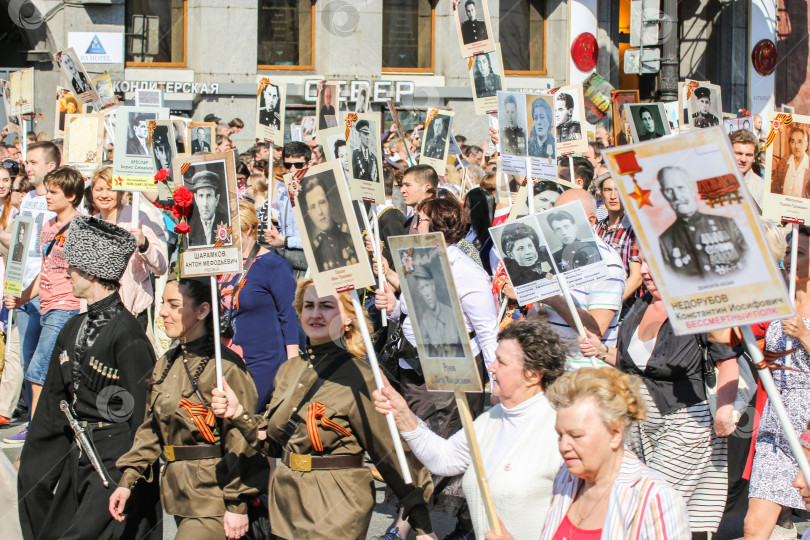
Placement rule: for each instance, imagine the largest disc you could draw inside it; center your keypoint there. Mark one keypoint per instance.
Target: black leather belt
(307, 463)
(187, 453)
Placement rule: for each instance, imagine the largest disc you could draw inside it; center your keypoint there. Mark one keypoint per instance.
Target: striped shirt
(642, 506)
(605, 293)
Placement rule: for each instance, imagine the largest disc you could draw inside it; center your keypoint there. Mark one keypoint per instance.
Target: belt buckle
(301, 462)
(168, 452)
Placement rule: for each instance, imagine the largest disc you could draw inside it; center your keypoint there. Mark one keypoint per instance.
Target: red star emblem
(641, 196)
(119, 181)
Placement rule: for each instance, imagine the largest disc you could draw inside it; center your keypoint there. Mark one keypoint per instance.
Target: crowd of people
(106, 329)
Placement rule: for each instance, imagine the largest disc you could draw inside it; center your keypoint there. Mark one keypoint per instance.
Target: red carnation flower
(161, 175)
(183, 197)
(182, 228)
(180, 211)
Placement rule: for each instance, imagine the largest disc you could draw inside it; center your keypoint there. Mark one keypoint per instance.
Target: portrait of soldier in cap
(568, 129)
(269, 105)
(697, 244)
(702, 118)
(436, 137)
(325, 219)
(437, 322)
(162, 148)
(209, 211)
(514, 136)
(574, 252)
(364, 159)
(472, 29)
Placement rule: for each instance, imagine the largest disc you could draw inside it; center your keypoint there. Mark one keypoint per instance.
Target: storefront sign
(378, 91)
(97, 47)
(167, 86)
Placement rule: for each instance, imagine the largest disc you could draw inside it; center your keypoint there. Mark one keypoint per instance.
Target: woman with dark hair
(204, 483)
(242, 173)
(516, 437)
(523, 256)
(479, 210)
(438, 409)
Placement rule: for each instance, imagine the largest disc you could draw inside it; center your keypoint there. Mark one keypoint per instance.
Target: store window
(407, 35)
(156, 32)
(522, 34)
(286, 33)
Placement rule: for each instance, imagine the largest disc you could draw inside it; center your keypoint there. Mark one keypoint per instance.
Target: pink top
(55, 291)
(567, 531)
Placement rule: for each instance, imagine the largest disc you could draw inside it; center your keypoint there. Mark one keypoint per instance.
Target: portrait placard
(13, 121)
(180, 142)
(271, 101)
(162, 146)
(366, 157)
(569, 119)
(200, 137)
(84, 142)
(214, 244)
(699, 231)
(133, 169)
(333, 246)
(362, 102)
(437, 135)
(435, 312)
(486, 80)
(513, 122)
(621, 126)
(22, 91)
(148, 97)
(309, 128)
(736, 124)
(526, 259)
(546, 193)
(104, 88)
(787, 170)
(673, 116)
(597, 97)
(648, 121)
(326, 106)
(542, 147)
(474, 29)
(65, 104)
(704, 104)
(572, 243)
(336, 148)
(21, 232)
(76, 76)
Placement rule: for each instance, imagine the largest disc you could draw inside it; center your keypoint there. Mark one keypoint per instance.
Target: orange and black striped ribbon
(316, 412)
(202, 416)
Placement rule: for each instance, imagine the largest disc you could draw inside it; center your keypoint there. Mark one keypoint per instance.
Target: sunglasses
(288, 165)
(420, 219)
(12, 165)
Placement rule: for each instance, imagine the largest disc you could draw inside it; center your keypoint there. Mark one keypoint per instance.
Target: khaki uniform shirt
(203, 487)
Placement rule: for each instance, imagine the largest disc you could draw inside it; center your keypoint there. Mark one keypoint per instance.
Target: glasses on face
(420, 219)
(288, 165)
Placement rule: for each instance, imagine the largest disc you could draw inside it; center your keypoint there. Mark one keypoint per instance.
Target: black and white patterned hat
(98, 247)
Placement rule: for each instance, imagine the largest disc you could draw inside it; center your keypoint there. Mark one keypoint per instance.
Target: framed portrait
(214, 245)
(104, 88)
(673, 116)
(474, 28)
(648, 121)
(336, 148)
(366, 157)
(541, 147)
(513, 131)
(362, 102)
(621, 126)
(704, 104)
(179, 124)
(309, 128)
(596, 95)
(66, 104)
(546, 193)
(486, 80)
(436, 139)
(271, 101)
(333, 246)
(526, 259)
(77, 78)
(435, 312)
(162, 145)
(787, 169)
(22, 229)
(22, 91)
(133, 167)
(84, 142)
(736, 124)
(201, 137)
(572, 243)
(327, 105)
(569, 120)
(699, 231)
(13, 121)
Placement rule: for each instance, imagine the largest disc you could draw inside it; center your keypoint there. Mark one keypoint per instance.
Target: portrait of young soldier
(19, 245)
(541, 139)
(514, 136)
(437, 322)
(162, 148)
(573, 252)
(78, 81)
(137, 133)
(364, 158)
(209, 211)
(472, 29)
(697, 244)
(201, 142)
(269, 105)
(702, 118)
(568, 129)
(436, 137)
(325, 222)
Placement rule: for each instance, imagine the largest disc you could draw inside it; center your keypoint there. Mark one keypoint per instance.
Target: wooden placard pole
(476, 461)
(775, 397)
(217, 344)
(569, 301)
(794, 253)
(375, 370)
(375, 246)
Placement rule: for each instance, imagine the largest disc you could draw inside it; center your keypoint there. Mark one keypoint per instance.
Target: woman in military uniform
(209, 465)
(320, 421)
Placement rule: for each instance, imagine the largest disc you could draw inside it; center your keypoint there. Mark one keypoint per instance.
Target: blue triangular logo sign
(95, 47)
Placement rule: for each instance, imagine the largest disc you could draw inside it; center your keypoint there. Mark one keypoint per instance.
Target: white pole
(217, 344)
(502, 310)
(375, 370)
(794, 254)
(775, 398)
(569, 301)
(377, 238)
(529, 186)
(136, 209)
(375, 247)
(8, 331)
(571, 168)
(24, 138)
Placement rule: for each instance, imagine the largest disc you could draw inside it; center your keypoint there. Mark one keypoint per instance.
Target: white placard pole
(375, 370)
(775, 398)
(376, 252)
(8, 331)
(217, 344)
(529, 186)
(794, 253)
(23, 139)
(569, 301)
(572, 178)
(502, 310)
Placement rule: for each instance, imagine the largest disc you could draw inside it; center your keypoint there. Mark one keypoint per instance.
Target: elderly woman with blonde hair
(604, 490)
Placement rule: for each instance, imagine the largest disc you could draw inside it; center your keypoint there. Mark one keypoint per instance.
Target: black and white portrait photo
(571, 240)
(20, 243)
(361, 105)
(138, 132)
(341, 153)
(162, 145)
(541, 135)
(486, 76)
(74, 72)
(705, 106)
(326, 222)
(566, 117)
(200, 139)
(473, 26)
(524, 254)
(270, 106)
(327, 99)
(647, 121)
(435, 140)
(365, 162)
(512, 120)
(546, 193)
(210, 219)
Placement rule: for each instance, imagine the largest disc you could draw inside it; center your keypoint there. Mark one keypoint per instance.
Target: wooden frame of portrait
(90, 96)
(61, 112)
(776, 204)
(619, 98)
(134, 171)
(633, 114)
(104, 82)
(362, 188)
(727, 279)
(488, 104)
(474, 47)
(265, 132)
(22, 91)
(212, 133)
(343, 265)
(84, 142)
(439, 164)
(225, 256)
